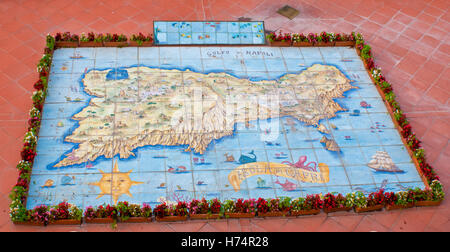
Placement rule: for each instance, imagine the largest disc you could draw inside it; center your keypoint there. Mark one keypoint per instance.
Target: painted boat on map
(381, 161)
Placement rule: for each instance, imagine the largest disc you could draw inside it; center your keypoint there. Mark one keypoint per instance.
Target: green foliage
(365, 52)
(358, 199)
(50, 42)
(390, 97)
(44, 63)
(18, 212)
(437, 189)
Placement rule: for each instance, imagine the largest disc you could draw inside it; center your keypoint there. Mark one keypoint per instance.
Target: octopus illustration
(301, 164)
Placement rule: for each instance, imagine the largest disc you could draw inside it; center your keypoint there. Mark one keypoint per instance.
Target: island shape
(142, 106)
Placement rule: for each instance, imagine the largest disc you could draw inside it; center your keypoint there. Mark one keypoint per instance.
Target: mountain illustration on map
(142, 106)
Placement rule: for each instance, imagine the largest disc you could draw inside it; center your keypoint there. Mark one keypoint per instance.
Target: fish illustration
(281, 155)
(287, 186)
(67, 180)
(356, 112)
(271, 143)
(179, 169)
(364, 104)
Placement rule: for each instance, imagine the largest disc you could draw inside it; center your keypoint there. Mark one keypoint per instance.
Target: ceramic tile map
(208, 33)
(160, 124)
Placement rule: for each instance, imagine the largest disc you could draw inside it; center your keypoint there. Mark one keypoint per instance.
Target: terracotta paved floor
(410, 40)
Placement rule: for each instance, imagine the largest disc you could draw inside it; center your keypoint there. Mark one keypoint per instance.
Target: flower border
(65, 213)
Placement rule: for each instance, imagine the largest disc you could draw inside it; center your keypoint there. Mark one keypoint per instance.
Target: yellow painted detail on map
(245, 171)
(115, 183)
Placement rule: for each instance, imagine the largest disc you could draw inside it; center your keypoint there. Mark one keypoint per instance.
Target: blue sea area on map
(117, 74)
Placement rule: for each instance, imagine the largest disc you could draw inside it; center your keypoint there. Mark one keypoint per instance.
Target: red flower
(38, 85)
(28, 155)
(406, 130)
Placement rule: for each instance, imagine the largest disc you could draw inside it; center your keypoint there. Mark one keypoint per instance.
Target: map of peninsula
(141, 106)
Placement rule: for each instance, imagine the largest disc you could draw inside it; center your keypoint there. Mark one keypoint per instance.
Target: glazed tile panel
(176, 123)
(208, 33)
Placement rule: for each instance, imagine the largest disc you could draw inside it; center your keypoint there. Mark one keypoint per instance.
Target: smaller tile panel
(209, 33)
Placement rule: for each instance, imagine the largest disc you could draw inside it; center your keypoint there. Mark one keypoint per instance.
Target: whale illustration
(248, 158)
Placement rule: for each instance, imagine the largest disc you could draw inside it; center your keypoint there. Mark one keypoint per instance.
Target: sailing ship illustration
(76, 55)
(381, 161)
